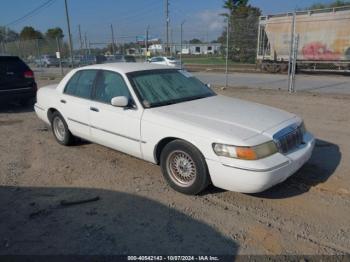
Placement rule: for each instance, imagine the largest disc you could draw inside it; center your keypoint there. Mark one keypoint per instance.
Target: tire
(60, 130)
(184, 167)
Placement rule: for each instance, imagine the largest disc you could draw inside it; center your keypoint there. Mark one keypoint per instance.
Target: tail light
(28, 74)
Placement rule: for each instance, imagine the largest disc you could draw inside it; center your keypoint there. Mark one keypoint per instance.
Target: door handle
(94, 109)
(63, 101)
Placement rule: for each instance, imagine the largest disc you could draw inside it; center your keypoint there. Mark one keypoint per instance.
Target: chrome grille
(289, 138)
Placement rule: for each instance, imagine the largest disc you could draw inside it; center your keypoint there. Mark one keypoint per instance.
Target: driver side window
(109, 85)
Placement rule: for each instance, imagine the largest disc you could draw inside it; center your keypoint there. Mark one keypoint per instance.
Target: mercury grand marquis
(168, 117)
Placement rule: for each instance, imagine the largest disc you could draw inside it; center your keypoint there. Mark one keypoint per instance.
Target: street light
(183, 22)
(146, 41)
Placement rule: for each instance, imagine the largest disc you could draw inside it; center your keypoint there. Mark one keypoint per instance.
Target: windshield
(164, 87)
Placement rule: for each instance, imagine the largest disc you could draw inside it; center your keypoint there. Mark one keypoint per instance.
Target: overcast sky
(131, 17)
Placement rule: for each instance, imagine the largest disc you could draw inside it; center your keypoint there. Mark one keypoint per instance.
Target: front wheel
(184, 167)
(60, 130)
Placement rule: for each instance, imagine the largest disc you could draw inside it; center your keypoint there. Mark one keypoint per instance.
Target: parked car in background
(67, 62)
(120, 59)
(164, 60)
(17, 81)
(92, 59)
(168, 117)
(47, 61)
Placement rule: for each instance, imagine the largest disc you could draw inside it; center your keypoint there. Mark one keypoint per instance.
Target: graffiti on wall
(319, 51)
(323, 36)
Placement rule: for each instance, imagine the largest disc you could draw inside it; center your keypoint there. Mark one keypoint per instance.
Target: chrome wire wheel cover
(59, 129)
(181, 168)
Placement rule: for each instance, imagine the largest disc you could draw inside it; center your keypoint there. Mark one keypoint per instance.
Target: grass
(207, 61)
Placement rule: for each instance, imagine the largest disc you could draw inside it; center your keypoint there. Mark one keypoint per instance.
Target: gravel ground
(137, 213)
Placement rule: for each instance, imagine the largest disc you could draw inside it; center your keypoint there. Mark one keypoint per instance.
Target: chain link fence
(303, 41)
(39, 54)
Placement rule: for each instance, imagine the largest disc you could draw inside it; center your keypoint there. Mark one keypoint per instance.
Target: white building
(188, 49)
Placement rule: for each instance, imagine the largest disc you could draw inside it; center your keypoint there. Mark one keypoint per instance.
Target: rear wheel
(184, 167)
(60, 130)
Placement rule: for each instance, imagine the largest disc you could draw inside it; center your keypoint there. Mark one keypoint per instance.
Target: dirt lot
(137, 213)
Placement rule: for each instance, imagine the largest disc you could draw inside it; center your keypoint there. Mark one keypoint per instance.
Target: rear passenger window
(81, 84)
(72, 84)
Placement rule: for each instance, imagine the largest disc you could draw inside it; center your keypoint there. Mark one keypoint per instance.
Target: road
(314, 83)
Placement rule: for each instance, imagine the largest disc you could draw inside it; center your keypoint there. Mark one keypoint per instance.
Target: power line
(31, 13)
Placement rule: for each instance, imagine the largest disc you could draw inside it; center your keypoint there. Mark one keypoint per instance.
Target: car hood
(221, 117)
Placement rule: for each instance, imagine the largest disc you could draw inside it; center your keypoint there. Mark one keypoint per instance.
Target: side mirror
(208, 85)
(120, 101)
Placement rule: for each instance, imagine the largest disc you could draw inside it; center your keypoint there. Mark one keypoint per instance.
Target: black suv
(17, 81)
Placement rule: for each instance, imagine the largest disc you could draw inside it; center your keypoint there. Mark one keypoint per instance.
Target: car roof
(126, 67)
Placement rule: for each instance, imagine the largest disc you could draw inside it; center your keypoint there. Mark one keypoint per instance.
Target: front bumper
(257, 180)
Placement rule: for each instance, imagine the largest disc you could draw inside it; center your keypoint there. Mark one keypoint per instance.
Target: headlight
(246, 153)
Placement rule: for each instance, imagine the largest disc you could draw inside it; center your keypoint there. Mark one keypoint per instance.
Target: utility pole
(86, 48)
(113, 42)
(80, 39)
(167, 25)
(146, 41)
(290, 59)
(171, 46)
(227, 47)
(181, 40)
(69, 33)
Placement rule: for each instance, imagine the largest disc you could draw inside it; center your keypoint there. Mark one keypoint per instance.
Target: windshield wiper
(176, 101)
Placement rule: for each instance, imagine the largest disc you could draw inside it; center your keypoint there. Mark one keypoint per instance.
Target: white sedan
(164, 60)
(167, 117)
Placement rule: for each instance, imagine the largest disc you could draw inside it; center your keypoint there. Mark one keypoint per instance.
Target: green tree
(8, 35)
(232, 5)
(29, 33)
(53, 33)
(195, 41)
(244, 21)
(337, 3)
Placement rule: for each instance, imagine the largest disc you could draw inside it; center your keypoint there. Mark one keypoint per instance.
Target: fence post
(227, 48)
(294, 64)
(4, 48)
(39, 55)
(291, 52)
(258, 45)
(181, 40)
(60, 57)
